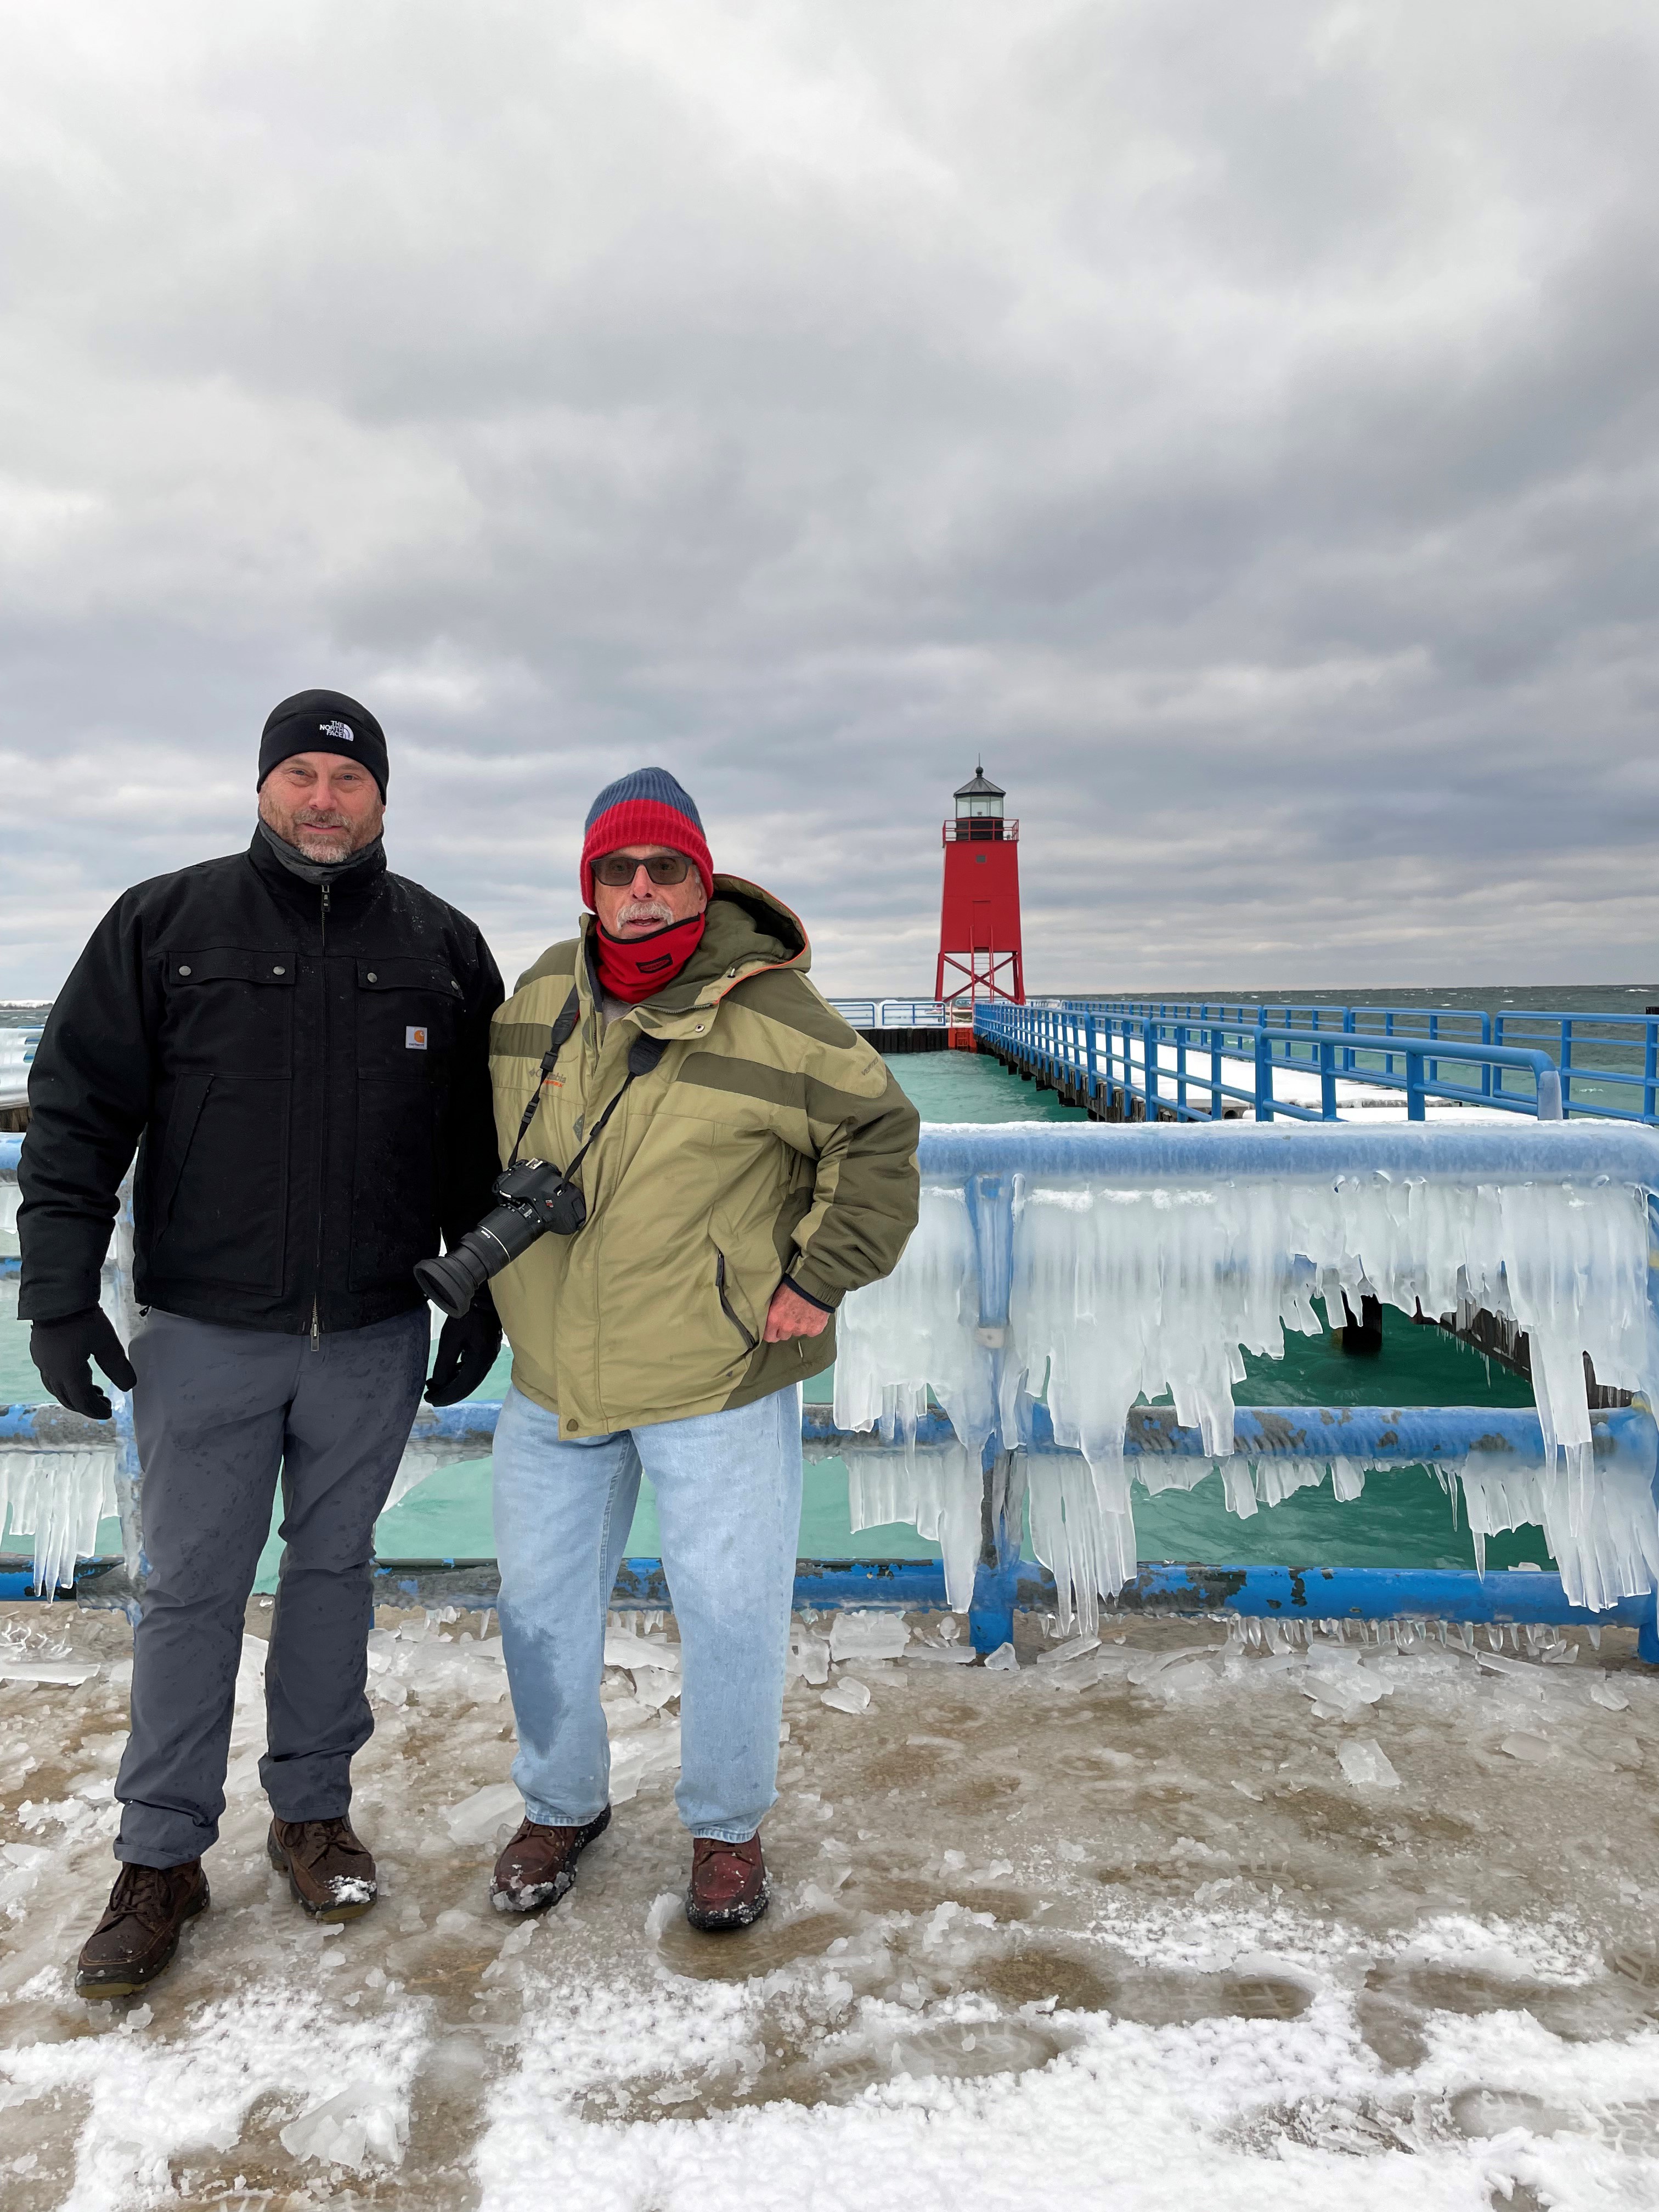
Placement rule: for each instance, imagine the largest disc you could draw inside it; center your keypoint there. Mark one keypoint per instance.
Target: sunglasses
(616, 870)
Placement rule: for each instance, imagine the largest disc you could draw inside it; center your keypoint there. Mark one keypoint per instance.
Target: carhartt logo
(414, 1040)
(338, 729)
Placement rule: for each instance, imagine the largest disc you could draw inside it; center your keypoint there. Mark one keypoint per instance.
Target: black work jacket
(304, 1071)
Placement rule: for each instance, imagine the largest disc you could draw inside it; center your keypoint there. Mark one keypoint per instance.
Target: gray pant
(215, 1412)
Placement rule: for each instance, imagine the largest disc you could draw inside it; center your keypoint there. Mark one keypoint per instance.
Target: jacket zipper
(727, 1306)
(322, 1144)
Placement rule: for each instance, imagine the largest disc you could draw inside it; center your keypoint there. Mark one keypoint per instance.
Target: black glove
(466, 1352)
(64, 1351)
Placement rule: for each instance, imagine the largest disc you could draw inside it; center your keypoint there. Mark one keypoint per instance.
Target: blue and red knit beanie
(649, 807)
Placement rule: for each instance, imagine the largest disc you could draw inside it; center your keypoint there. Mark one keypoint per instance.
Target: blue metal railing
(896, 1013)
(16, 1057)
(1607, 1063)
(985, 1164)
(1170, 1061)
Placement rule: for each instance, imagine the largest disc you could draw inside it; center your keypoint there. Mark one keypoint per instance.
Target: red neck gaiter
(631, 968)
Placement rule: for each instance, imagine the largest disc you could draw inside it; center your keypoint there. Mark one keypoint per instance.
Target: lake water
(1403, 1520)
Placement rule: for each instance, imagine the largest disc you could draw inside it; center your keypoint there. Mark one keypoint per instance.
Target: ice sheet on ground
(1009, 1928)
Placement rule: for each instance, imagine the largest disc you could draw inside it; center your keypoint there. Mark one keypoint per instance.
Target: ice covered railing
(60, 1474)
(1060, 1278)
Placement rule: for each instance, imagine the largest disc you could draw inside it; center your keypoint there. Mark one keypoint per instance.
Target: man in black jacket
(295, 1041)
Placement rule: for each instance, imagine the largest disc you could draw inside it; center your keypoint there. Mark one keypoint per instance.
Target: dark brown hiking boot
(139, 1932)
(729, 1888)
(328, 1870)
(539, 1864)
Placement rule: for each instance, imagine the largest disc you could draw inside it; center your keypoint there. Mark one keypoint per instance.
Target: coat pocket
(749, 1339)
(222, 1189)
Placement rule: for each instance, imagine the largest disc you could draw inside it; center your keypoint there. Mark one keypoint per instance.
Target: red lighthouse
(979, 952)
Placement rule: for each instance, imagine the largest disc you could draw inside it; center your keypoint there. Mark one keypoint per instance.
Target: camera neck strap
(642, 1056)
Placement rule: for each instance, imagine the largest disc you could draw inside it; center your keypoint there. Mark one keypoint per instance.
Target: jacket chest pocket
(229, 1009)
(408, 1013)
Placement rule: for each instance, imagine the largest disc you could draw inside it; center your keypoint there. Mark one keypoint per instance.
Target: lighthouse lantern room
(979, 947)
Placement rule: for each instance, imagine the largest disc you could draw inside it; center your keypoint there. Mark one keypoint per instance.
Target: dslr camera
(537, 1199)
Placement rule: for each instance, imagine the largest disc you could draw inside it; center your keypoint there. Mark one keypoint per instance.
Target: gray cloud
(1239, 424)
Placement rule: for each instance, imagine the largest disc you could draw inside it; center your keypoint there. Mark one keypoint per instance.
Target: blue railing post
(1218, 1103)
(1328, 1079)
(1264, 1069)
(1414, 1093)
(1149, 1071)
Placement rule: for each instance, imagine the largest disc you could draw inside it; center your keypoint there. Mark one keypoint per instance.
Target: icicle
(940, 1492)
(58, 1497)
(1118, 1295)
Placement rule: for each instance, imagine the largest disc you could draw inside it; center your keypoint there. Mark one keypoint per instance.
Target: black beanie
(323, 722)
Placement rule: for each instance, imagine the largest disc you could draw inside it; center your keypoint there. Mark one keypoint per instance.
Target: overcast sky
(1238, 422)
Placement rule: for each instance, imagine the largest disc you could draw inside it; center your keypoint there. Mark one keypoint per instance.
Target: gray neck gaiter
(316, 871)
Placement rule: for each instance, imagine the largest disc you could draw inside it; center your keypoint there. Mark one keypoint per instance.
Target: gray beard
(315, 872)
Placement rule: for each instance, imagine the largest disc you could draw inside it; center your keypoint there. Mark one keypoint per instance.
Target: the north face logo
(338, 729)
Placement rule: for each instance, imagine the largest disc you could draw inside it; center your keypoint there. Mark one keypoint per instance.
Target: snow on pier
(1170, 1916)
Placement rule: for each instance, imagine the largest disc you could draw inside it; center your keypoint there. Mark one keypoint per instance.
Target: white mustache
(644, 910)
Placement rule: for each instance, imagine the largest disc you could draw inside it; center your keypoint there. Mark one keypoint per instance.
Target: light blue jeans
(728, 1503)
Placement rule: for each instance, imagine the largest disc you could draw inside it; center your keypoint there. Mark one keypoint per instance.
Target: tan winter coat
(769, 1139)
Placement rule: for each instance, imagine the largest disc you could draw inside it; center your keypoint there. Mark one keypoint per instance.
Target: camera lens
(452, 1282)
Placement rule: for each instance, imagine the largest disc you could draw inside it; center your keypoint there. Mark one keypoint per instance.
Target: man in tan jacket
(764, 1167)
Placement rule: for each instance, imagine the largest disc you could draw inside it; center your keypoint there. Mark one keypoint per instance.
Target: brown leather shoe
(139, 1932)
(539, 1864)
(729, 1889)
(328, 1870)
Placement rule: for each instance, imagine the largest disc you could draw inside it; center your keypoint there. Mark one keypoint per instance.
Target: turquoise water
(1403, 1520)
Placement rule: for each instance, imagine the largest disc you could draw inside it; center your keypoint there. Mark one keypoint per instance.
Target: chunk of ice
(363, 2125)
(647, 1751)
(847, 1696)
(635, 1652)
(868, 1635)
(477, 1818)
(46, 1670)
(1367, 1765)
(1003, 1658)
(1525, 1746)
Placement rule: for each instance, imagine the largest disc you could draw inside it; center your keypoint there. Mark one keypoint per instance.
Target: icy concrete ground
(1162, 1921)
